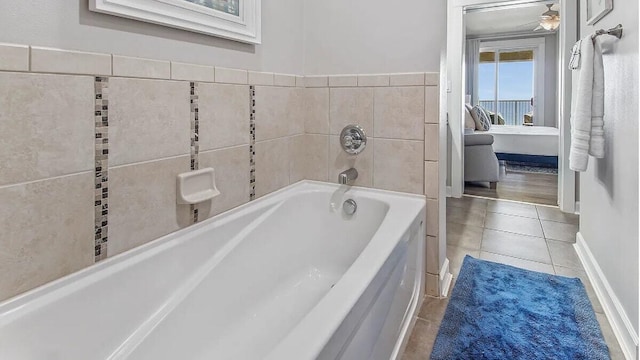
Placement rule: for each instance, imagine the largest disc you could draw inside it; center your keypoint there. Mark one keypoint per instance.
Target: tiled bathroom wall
(400, 115)
(91, 144)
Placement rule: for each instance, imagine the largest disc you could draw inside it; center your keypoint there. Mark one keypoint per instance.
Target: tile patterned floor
(538, 238)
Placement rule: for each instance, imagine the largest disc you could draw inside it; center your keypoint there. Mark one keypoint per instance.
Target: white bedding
(527, 140)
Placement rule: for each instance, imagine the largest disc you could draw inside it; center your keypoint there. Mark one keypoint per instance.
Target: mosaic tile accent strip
(101, 167)
(195, 147)
(252, 142)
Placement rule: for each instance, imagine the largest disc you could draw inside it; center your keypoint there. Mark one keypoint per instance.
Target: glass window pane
(515, 85)
(487, 80)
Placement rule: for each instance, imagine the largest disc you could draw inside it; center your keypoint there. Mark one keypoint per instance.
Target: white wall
(551, 80)
(373, 36)
(68, 24)
(609, 187)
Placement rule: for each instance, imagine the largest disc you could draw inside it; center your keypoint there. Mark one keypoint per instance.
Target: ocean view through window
(506, 84)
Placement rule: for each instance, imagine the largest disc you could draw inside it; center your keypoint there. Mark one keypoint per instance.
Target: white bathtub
(289, 276)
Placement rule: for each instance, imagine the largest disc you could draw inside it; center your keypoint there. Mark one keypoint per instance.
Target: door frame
(456, 89)
(568, 36)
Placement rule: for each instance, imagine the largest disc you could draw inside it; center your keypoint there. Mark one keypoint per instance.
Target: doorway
(511, 69)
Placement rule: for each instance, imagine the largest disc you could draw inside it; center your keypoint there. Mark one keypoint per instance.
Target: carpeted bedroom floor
(538, 238)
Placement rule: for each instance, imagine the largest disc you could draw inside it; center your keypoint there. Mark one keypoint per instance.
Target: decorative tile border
(19, 57)
(195, 131)
(252, 142)
(101, 167)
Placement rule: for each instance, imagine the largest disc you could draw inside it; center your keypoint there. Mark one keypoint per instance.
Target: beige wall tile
(260, 78)
(70, 62)
(279, 112)
(139, 67)
(192, 72)
(340, 161)
(432, 285)
(14, 57)
(309, 157)
(296, 111)
(148, 119)
(343, 80)
(431, 142)
(284, 80)
(232, 179)
(432, 248)
(231, 76)
(398, 165)
(432, 79)
(373, 80)
(46, 126)
(351, 106)
(431, 179)
(399, 112)
(142, 203)
(272, 120)
(408, 79)
(432, 107)
(316, 106)
(432, 217)
(46, 232)
(224, 115)
(272, 165)
(316, 81)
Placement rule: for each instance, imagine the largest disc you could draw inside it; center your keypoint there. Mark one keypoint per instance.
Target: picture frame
(597, 9)
(238, 20)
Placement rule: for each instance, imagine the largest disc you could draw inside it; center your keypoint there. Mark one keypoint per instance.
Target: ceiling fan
(549, 20)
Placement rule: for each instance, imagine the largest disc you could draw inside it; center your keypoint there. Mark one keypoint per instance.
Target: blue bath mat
(501, 312)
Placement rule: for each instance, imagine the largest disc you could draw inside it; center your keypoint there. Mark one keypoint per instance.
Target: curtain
(472, 59)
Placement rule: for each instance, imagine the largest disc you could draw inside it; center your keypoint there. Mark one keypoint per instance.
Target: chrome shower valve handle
(353, 139)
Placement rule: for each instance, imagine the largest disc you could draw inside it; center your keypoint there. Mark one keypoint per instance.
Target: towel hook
(616, 31)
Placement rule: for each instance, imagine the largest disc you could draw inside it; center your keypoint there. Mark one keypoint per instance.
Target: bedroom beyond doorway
(511, 137)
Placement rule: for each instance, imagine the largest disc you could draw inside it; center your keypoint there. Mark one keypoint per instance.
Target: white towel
(587, 133)
(596, 142)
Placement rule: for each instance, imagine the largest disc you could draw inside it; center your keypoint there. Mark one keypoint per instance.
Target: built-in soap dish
(196, 186)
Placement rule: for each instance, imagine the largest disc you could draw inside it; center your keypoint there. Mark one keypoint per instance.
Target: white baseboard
(445, 278)
(616, 315)
(449, 191)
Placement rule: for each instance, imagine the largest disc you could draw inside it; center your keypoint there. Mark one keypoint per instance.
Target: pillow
(496, 119)
(469, 107)
(469, 122)
(483, 122)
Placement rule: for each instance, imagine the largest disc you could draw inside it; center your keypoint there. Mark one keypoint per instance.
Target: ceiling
(507, 20)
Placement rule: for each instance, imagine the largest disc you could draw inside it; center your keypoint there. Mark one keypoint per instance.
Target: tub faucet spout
(347, 176)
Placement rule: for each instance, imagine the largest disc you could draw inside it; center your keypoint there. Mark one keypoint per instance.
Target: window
(506, 83)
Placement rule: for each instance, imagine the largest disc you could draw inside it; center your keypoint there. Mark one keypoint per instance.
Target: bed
(526, 144)
(527, 140)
